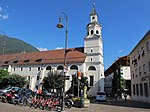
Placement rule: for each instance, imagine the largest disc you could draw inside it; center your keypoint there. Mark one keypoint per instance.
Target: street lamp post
(4, 44)
(60, 25)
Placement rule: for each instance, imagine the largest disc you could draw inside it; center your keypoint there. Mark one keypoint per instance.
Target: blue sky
(124, 23)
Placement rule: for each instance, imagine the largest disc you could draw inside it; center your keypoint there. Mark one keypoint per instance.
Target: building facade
(93, 48)
(140, 69)
(88, 60)
(117, 78)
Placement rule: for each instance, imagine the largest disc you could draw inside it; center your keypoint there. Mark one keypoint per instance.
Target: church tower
(93, 48)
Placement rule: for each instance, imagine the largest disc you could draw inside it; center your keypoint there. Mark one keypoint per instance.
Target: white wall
(126, 72)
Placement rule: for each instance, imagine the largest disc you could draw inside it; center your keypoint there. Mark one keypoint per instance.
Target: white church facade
(88, 60)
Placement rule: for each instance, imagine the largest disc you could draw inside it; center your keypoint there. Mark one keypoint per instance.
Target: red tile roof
(74, 55)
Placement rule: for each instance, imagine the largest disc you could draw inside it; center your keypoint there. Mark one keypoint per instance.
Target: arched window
(88, 33)
(15, 62)
(97, 32)
(60, 67)
(91, 50)
(48, 68)
(92, 32)
(26, 61)
(38, 60)
(91, 59)
(92, 68)
(93, 17)
(73, 67)
(6, 62)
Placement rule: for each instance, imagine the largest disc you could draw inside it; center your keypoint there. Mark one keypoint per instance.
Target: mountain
(10, 45)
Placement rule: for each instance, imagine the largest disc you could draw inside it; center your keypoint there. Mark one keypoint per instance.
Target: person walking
(116, 96)
(125, 97)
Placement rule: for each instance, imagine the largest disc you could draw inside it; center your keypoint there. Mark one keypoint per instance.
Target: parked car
(10, 88)
(1, 92)
(101, 96)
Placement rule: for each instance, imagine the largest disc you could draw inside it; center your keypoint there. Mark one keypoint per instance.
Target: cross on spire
(93, 12)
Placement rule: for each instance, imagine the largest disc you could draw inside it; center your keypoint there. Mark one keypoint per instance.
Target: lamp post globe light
(63, 16)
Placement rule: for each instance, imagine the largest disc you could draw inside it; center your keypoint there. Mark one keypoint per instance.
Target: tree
(12, 80)
(3, 73)
(74, 84)
(53, 81)
(18, 80)
(83, 82)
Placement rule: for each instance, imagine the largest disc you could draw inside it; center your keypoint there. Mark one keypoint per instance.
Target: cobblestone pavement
(109, 106)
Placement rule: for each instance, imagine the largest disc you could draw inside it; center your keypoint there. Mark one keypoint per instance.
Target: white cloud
(120, 51)
(45, 49)
(4, 17)
(59, 47)
(3, 13)
(42, 49)
(1, 9)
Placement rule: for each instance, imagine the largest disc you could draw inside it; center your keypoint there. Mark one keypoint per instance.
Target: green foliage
(122, 83)
(83, 82)
(12, 80)
(74, 84)
(3, 73)
(18, 80)
(78, 99)
(14, 45)
(53, 81)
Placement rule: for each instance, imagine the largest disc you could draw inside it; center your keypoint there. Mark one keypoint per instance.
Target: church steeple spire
(93, 48)
(93, 12)
(93, 28)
